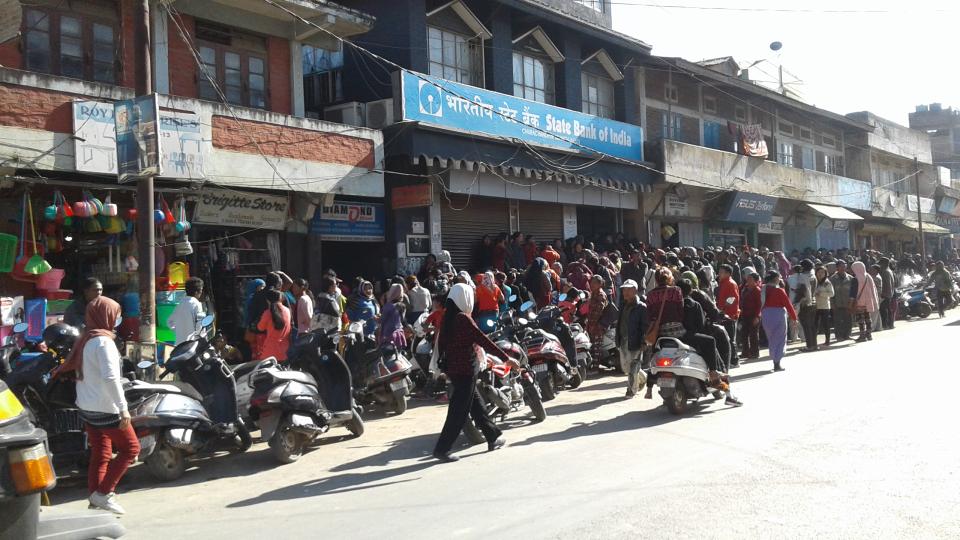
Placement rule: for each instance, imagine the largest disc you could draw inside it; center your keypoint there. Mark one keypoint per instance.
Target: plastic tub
(8, 251)
(55, 294)
(50, 281)
(165, 334)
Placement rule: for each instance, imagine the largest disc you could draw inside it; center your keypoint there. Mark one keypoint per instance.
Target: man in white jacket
(185, 319)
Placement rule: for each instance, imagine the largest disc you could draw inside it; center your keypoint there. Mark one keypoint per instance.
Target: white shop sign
(775, 226)
(569, 221)
(236, 209)
(95, 147)
(675, 206)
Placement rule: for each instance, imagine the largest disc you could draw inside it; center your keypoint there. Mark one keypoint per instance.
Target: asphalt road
(859, 441)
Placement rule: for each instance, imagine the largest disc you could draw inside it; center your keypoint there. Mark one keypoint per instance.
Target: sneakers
(496, 444)
(733, 401)
(106, 502)
(630, 393)
(446, 458)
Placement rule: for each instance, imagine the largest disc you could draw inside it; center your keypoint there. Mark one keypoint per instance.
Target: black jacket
(636, 325)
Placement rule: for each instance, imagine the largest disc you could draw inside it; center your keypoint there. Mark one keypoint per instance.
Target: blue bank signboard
(445, 104)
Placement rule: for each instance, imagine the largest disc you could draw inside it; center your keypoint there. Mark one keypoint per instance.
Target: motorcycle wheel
(532, 397)
(244, 440)
(286, 445)
(576, 379)
(355, 425)
(166, 463)
(676, 402)
(399, 402)
(924, 311)
(546, 389)
(473, 433)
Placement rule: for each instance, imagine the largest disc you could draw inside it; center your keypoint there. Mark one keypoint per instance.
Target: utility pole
(923, 245)
(783, 91)
(145, 204)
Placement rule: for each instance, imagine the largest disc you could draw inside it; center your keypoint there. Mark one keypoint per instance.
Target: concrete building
(514, 116)
(801, 195)
(942, 124)
(238, 154)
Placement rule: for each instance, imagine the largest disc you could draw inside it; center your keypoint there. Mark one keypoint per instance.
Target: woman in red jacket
(776, 307)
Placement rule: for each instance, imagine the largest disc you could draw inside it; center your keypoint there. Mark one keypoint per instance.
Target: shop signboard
(926, 204)
(673, 205)
(855, 194)
(415, 196)
(138, 144)
(459, 107)
(751, 208)
(239, 209)
(774, 226)
(347, 221)
(952, 223)
(947, 205)
(95, 146)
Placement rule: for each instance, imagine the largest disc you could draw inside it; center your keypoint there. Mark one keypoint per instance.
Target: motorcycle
(422, 351)
(26, 470)
(10, 351)
(379, 373)
(914, 303)
(199, 416)
(681, 374)
(545, 352)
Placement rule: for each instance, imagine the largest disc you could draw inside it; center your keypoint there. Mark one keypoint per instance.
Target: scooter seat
(296, 376)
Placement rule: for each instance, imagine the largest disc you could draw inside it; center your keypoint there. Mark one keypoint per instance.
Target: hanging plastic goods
(28, 268)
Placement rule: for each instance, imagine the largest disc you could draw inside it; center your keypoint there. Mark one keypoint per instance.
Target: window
(710, 104)
(596, 5)
(805, 134)
(69, 45)
(711, 135)
(956, 141)
(827, 140)
(785, 154)
(597, 95)
(672, 126)
(740, 113)
(670, 93)
(832, 164)
(322, 77)
(807, 159)
(451, 56)
(785, 128)
(233, 62)
(533, 78)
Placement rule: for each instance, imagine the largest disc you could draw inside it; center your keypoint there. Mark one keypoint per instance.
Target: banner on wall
(237, 209)
(138, 140)
(350, 222)
(446, 104)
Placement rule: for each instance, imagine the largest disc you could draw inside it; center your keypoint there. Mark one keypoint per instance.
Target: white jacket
(100, 389)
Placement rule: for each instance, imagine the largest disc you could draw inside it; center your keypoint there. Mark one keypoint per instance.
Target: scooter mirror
(116, 323)
(512, 299)
(562, 298)
(21, 328)
(206, 321)
(144, 364)
(490, 323)
(521, 321)
(527, 306)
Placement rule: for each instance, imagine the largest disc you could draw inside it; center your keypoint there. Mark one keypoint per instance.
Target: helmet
(60, 337)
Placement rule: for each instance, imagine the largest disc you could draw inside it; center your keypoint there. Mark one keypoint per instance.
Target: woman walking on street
(822, 295)
(863, 300)
(461, 359)
(103, 408)
(776, 308)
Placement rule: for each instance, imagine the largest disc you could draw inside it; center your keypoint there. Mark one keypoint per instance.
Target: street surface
(846, 443)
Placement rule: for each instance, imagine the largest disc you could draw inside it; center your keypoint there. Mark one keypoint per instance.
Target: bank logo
(430, 99)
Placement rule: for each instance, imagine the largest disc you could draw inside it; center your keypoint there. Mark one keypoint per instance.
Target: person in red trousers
(103, 408)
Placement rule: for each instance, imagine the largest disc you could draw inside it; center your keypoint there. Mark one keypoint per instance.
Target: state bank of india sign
(237, 209)
(446, 104)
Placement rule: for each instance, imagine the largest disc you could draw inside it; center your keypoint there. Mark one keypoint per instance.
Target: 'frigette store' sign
(445, 104)
(236, 209)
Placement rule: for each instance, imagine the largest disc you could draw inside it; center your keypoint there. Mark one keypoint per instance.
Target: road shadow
(605, 386)
(342, 483)
(747, 376)
(582, 406)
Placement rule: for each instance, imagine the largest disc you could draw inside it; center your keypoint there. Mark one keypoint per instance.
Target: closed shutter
(691, 234)
(461, 230)
(543, 220)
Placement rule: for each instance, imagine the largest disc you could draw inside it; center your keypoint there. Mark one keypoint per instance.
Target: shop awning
(834, 212)
(446, 150)
(928, 228)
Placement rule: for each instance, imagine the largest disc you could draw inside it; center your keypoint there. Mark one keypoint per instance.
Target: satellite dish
(776, 46)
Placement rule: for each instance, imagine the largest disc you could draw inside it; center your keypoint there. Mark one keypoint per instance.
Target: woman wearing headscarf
(103, 408)
(361, 307)
(595, 311)
(774, 311)
(863, 300)
(275, 327)
(460, 343)
(537, 283)
(390, 329)
(489, 300)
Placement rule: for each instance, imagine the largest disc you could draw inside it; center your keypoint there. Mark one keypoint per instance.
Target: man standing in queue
(631, 326)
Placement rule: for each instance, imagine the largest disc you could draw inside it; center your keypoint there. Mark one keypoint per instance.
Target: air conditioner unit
(346, 113)
(380, 113)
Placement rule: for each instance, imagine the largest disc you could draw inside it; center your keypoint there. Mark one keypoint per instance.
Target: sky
(887, 63)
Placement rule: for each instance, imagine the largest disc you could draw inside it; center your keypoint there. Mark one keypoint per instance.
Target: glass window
(807, 158)
(208, 60)
(257, 82)
(785, 154)
(71, 47)
(240, 75)
(450, 55)
(103, 53)
(37, 40)
(68, 44)
(232, 78)
(532, 78)
(833, 164)
(596, 5)
(597, 95)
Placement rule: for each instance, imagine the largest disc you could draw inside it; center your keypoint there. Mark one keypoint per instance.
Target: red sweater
(750, 302)
(728, 291)
(777, 297)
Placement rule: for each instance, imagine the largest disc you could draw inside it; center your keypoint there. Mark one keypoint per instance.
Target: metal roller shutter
(461, 230)
(543, 220)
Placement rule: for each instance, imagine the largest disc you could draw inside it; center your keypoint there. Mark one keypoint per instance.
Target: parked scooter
(379, 373)
(547, 356)
(681, 374)
(26, 470)
(422, 351)
(177, 421)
